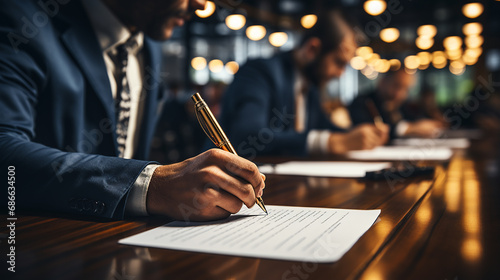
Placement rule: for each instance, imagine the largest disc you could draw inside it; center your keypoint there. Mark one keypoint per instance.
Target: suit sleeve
(255, 128)
(49, 179)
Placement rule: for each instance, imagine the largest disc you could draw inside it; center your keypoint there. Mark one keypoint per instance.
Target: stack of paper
(344, 169)
(402, 153)
(287, 233)
(454, 143)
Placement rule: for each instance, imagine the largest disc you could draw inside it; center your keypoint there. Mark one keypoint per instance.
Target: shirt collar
(108, 28)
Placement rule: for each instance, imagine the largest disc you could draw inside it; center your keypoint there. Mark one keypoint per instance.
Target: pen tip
(260, 202)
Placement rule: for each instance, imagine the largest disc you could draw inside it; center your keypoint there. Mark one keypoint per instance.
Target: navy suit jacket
(57, 119)
(258, 110)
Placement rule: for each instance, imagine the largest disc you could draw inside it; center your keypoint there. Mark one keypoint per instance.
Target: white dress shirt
(110, 34)
(317, 140)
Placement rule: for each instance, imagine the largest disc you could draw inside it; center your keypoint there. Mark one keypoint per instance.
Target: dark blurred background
(452, 46)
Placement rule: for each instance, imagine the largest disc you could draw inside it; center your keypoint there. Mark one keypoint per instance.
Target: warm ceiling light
(367, 71)
(454, 54)
(207, 11)
(474, 41)
(358, 63)
(468, 59)
(457, 71)
(256, 32)
(424, 42)
(438, 54)
(374, 7)
(427, 30)
(278, 39)
(235, 22)
(472, 10)
(440, 65)
(439, 59)
(389, 35)
(382, 65)
(395, 64)
(373, 59)
(232, 67)
(452, 43)
(473, 52)
(216, 65)
(457, 64)
(472, 28)
(198, 63)
(365, 52)
(411, 71)
(457, 67)
(425, 58)
(423, 66)
(412, 62)
(308, 21)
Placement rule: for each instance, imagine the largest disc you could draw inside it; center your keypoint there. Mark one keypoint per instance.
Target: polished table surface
(444, 226)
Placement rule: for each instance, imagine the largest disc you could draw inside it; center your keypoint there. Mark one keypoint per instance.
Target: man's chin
(159, 34)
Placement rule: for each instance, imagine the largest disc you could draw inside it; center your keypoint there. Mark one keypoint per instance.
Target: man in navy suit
(389, 99)
(79, 97)
(273, 105)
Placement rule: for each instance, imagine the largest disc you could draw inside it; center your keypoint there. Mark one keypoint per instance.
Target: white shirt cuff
(317, 141)
(401, 128)
(136, 201)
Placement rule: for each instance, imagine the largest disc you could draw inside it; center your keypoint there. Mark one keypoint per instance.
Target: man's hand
(209, 186)
(362, 137)
(424, 128)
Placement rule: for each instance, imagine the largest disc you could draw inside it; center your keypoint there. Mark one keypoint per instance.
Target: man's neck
(299, 60)
(302, 66)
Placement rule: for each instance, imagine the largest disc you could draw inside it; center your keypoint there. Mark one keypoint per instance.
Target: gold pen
(213, 130)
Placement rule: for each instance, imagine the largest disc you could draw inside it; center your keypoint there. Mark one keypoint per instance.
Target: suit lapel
(152, 86)
(79, 38)
(81, 42)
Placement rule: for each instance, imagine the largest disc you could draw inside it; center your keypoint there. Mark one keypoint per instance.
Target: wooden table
(442, 227)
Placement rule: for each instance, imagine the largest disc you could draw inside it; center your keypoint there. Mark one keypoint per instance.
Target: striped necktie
(122, 102)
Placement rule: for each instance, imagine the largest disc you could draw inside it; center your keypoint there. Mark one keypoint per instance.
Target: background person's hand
(362, 137)
(209, 186)
(424, 128)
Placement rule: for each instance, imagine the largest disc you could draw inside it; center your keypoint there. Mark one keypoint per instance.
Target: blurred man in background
(273, 105)
(389, 97)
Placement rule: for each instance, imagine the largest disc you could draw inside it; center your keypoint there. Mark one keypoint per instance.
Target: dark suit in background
(258, 109)
(57, 118)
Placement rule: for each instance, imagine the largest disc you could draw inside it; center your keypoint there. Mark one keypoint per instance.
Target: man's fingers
(237, 166)
(240, 189)
(371, 139)
(218, 204)
(215, 213)
(228, 202)
(245, 170)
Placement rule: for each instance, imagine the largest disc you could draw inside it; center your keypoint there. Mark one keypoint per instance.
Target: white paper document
(402, 153)
(287, 233)
(344, 169)
(454, 143)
